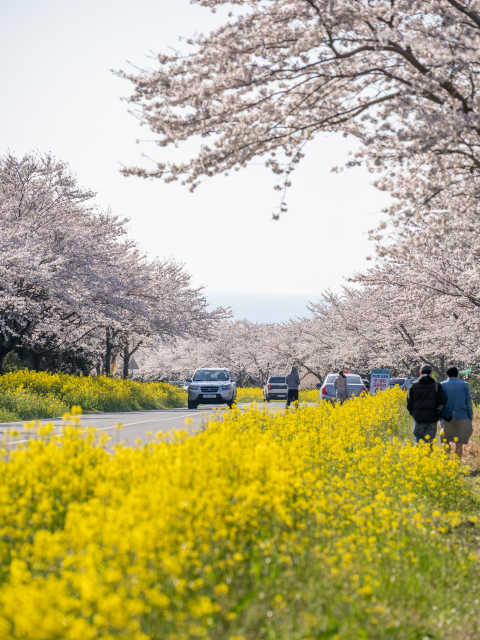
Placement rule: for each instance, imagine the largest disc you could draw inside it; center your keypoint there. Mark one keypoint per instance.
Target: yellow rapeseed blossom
(317, 522)
(29, 395)
(253, 394)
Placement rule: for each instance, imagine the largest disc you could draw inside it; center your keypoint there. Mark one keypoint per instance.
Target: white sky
(59, 95)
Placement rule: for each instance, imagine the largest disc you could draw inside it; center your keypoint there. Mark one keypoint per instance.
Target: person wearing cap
(425, 403)
(457, 413)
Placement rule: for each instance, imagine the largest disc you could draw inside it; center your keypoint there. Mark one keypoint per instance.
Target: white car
(177, 383)
(403, 383)
(275, 389)
(211, 386)
(355, 386)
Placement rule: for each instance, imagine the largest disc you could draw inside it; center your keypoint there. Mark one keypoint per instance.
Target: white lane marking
(185, 415)
(60, 435)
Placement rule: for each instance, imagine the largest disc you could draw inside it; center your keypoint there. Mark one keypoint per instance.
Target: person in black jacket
(425, 402)
(293, 382)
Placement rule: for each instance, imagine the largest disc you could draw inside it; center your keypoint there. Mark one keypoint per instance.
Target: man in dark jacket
(293, 382)
(425, 403)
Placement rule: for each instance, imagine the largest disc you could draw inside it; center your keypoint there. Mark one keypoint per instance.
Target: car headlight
(193, 387)
(226, 386)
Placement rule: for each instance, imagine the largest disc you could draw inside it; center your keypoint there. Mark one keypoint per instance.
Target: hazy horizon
(263, 307)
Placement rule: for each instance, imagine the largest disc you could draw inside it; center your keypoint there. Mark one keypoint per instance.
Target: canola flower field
(30, 395)
(253, 394)
(316, 523)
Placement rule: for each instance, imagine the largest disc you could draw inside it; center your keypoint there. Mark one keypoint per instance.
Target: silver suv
(211, 386)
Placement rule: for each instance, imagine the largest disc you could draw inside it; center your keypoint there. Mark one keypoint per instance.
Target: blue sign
(379, 380)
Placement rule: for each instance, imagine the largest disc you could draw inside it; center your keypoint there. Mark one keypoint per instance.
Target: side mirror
(317, 386)
(234, 379)
(188, 380)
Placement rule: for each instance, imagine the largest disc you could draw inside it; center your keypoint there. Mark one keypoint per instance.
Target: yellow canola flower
(254, 394)
(265, 524)
(26, 395)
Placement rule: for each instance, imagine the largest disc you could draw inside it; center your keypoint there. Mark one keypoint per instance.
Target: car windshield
(395, 381)
(351, 379)
(278, 379)
(211, 376)
(354, 380)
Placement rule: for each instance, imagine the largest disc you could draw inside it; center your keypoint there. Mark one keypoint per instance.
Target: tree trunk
(37, 360)
(99, 370)
(127, 356)
(13, 343)
(59, 360)
(441, 373)
(126, 361)
(108, 353)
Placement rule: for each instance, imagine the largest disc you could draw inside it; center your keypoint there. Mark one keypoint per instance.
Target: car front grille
(209, 389)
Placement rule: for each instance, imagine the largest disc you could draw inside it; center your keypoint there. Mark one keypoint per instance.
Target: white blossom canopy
(400, 75)
(71, 278)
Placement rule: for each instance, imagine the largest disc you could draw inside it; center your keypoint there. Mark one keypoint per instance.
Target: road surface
(136, 424)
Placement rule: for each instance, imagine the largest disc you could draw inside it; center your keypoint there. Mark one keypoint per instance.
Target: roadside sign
(379, 380)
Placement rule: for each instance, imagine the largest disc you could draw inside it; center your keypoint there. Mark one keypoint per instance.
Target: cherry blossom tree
(243, 347)
(302, 342)
(400, 75)
(402, 331)
(378, 324)
(173, 309)
(72, 279)
(441, 284)
(41, 214)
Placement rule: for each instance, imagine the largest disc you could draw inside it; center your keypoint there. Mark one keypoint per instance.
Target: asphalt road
(135, 424)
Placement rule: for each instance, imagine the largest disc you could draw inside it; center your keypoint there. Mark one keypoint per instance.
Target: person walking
(293, 382)
(341, 388)
(457, 413)
(425, 402)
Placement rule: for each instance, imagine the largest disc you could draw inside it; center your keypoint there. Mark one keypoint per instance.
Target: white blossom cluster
(400, 317)
(71, 279)
(242, 346)
(399, 75)
(403, 77)
(418, 305)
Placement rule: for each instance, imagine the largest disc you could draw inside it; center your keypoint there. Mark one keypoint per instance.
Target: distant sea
(263, 307)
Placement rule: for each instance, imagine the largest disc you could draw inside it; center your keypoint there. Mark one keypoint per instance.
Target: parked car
(275, 389)
(211, 386)
(365, 379)
(403, 383)
(177, 383)
(355, 386)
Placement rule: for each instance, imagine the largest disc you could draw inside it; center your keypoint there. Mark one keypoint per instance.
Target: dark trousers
(292, 396)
